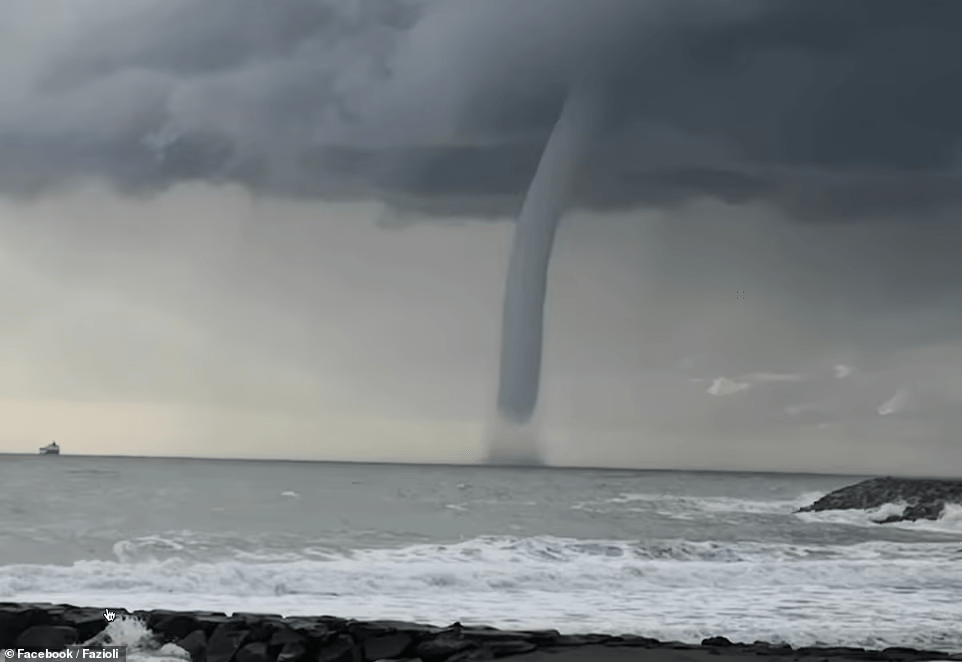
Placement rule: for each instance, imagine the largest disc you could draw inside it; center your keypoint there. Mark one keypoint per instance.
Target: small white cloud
(895, 403)
(842, 371)
(725, 386)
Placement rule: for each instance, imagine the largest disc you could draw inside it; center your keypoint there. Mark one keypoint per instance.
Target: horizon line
(478, 464)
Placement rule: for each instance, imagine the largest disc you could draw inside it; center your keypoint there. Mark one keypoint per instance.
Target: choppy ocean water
(671, 555)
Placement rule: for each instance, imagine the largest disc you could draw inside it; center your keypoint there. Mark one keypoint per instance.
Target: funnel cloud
(524, 299)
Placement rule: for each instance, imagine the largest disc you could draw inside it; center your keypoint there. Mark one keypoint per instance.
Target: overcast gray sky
(250, 228)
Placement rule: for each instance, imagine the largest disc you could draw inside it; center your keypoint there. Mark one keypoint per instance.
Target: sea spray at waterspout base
(526, 286)
(515, 444)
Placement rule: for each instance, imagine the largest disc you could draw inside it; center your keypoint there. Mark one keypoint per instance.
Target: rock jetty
(244, 637)
(923, 498)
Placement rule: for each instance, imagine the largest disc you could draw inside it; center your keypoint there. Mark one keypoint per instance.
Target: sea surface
(671, 555)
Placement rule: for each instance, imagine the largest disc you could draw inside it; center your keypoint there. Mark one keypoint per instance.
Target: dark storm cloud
(828, 109)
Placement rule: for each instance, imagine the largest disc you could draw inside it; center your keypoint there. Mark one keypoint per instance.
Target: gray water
(676, 555)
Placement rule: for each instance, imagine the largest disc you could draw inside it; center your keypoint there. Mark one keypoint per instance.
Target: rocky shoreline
(922, 498)
(244, 637)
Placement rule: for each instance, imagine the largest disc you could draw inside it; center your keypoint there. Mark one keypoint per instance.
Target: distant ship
(50, 449)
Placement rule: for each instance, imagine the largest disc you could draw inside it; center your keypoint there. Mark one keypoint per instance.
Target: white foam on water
(142, 645)
(949, 522)
(684, 507)
(127, 549)
(873, 594)
(687, 508)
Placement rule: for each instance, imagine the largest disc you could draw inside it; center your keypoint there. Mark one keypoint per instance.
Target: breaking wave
(869, 594)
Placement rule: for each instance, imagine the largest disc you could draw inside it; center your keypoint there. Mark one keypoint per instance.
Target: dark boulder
(171, 625)
(442, 648)
(47, 637)
(15, 618)
(314, 628)
(388, 646)
(720, 642)
(484, 635)
(285, 635)
(340, 649)
(225, 642)
(255, 652)
(292, 651)
(87, 621)
(261, 627)
(497, 643)
(509, 648)
(363, 630)
(482, 654)
(211, 620)
(924, 498)
(542, 637)
(195, 643)
(578, 640)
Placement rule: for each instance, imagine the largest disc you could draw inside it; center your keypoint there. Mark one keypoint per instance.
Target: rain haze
(239, 228)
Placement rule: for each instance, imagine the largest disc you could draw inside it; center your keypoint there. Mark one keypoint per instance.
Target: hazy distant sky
(252, 228)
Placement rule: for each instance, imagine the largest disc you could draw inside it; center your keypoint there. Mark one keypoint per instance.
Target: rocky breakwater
(922, 498)
(243, 637)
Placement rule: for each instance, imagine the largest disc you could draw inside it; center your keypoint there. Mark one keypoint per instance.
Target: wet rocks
(226, 641)
(242, 637)
(341, 648)
(195, 643)
(46, 637)
(388, 647)
(443, 648)
(924, 498)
